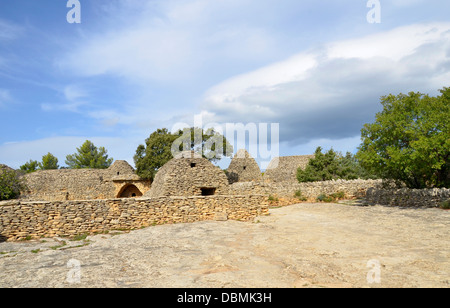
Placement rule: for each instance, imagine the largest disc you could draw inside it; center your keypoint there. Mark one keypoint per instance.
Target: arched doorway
(129, 191)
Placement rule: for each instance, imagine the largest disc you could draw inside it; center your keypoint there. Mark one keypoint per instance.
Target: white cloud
(330, 93)
(74, 97)
(168, 41)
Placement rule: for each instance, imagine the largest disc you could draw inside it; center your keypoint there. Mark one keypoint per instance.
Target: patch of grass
(272, 198)
(63, 243)
(79, 237)
(331, 198)
(298, 194)
(445, 205)
(35, 250)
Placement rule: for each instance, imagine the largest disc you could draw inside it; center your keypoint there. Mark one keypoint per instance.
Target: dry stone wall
(406, 197)
(82, 184)
(20, 220)
(283, 169)
(351, 188)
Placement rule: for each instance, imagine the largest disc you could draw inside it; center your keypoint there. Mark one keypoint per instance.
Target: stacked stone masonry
(282, 169)
(243, 168)
(20, 220)
(406, 197)
(83, 184)
(352, 188)
(188, 175)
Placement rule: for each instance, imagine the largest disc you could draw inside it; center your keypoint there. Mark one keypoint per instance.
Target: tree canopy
(10, 184)
(89, 156)
(161, 145)
(332, 165)
(49, 162)
(409, 142)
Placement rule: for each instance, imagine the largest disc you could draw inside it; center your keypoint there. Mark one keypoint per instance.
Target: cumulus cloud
(332, 92)
(166, 41)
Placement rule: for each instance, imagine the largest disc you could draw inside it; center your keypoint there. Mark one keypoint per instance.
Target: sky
(316, 68)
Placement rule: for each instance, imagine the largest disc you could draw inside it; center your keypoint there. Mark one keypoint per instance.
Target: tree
(49, 162)
(161, 145)
(149, 158)
(331, 165)
(409, 142)
(89, 156)
(10, 184)
(210, 144)
(30, 166)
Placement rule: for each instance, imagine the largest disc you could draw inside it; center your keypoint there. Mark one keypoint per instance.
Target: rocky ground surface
(305, 245)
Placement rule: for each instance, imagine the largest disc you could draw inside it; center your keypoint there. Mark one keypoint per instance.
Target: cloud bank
(332, 91)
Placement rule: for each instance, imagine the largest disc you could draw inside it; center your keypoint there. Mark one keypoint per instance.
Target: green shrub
(272, 198)
(10, 184)
(445, 205)
(298, 194)
(330, 198)
(338, 195)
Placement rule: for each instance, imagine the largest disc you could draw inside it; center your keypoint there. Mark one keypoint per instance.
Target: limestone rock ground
(305, 245)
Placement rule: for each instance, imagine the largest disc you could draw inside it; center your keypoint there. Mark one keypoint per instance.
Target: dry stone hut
(188, 174)
(243, 168)
(284, 169)
(118, 181)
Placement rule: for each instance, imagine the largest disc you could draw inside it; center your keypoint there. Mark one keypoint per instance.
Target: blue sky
(318, 68)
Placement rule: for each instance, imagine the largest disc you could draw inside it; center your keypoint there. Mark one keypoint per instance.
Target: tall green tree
(409, 141)
(49, 162)
(161, 144)
(30, 166)
(149, 158)
(331, 165)
(89, 156)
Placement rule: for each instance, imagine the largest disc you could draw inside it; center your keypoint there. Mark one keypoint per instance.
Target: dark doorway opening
(208, 191)
(129, 191)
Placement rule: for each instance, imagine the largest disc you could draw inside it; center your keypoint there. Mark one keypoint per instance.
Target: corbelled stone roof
(243, 168)
(284, 168)
(187, 175)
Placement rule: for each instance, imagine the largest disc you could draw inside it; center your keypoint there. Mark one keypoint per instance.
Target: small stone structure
(119, 180)
(281, 169)
(188, 174)
(243, 168)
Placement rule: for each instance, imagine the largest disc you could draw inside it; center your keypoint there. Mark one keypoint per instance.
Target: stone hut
(188, 174)
(243, 168)
(118, 181)
(282, 169)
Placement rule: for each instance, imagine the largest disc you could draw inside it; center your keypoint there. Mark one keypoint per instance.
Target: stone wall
(282, 169)
(82, 184)
(20, 220)
(352, 188)
(406, 197)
